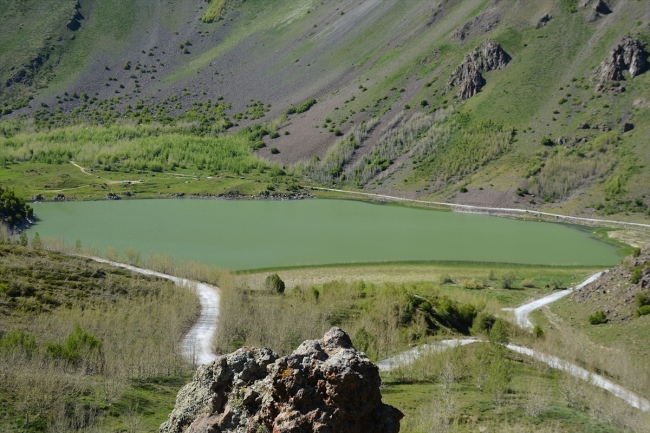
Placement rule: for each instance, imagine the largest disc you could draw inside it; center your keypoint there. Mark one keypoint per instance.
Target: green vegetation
(274, 284)
(13, 209)
(214, 11)
(85, 345)
(598, 318)
(136, 148)
(305, 106)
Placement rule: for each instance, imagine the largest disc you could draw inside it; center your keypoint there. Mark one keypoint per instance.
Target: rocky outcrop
(74, 21)
(467, 76)
(615, 292)
(324, 386)
(543, 21)
(629, 55)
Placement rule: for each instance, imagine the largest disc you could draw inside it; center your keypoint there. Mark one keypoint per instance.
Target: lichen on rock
(324, 386)
(468, 75)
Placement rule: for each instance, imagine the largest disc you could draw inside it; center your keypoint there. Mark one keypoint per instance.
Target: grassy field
(84, 346)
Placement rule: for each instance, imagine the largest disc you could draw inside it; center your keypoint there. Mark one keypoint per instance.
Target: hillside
(541, 104)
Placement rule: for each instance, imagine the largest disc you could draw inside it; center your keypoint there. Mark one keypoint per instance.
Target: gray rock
(323, 386)
(486, 57)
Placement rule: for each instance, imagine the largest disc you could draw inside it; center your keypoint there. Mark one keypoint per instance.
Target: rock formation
(629, 55)
(324, 386)
(73, 23)
(486, 57)
(543, 21)
(615, 291)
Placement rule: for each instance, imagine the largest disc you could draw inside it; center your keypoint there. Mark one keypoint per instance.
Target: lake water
(259, 234)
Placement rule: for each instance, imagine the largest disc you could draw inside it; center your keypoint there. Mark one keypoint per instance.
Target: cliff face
(629, 55)
(486, 57)
(323, 386)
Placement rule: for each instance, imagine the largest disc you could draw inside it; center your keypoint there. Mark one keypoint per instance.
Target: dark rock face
(629, 55)
(74, 21)
(543, 21)
(487, 57)
(324, 386)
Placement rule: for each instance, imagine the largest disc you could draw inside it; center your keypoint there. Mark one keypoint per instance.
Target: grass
(137, 320)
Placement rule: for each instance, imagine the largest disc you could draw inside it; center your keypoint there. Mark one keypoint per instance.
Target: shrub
(500, 332)
(274, 283)
(483, 322)
(446, 279)
(274, 150)
(636, 275)
(636, 252)
(538, 332)
(642, 300)
(507, 280)
(473, 284)
(463, 189)
(545, 141)
(642, 311)
(598, 318)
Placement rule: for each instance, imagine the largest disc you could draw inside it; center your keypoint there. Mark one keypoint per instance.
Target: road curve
(521, 313)
(595, 379)
(474, 209)
(197, 343)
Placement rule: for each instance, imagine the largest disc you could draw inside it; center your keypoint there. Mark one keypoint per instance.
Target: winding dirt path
(521, 318)
(483, 209)
(197, 343)
(521, 313)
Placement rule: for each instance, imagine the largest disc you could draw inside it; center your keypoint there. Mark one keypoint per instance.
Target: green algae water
(242, 235)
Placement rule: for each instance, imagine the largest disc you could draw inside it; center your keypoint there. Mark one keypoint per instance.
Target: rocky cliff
(467, 76)
(629, 55)
(324, 386)
(616, 291)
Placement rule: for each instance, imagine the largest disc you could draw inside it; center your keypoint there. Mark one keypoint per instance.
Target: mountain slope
(541, 130)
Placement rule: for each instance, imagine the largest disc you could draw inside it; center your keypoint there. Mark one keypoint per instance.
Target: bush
(473, 284)
(538, 332)
(546, 141)
(636, 275)
(507, 280)
(642, 311)
(274, 283)
(500, 332)
(463, 189)
(274, 151)
(446, 279)
(483, 322)
(598, 318)
(642, 300)
(636, 252)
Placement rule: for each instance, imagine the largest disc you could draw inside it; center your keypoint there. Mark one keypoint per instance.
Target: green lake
(260, 234)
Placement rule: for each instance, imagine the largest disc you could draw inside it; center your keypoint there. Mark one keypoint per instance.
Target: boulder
(628, 55)
(543, 21)
(486, 57)
(324, 386)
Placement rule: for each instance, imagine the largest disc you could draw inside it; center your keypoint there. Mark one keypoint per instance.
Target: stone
(543, 21)
(628, 55)
(627, 127)
(324, 386)
(467, 76)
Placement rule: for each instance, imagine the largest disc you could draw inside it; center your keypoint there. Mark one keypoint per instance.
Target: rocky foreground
(324, 386)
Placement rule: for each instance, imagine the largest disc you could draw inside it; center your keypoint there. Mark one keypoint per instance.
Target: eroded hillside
(540, 104)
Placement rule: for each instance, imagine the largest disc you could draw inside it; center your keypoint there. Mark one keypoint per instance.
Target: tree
(37, 244)
(23, 241)
(274, 284)
(77, 246)
(132, 256)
